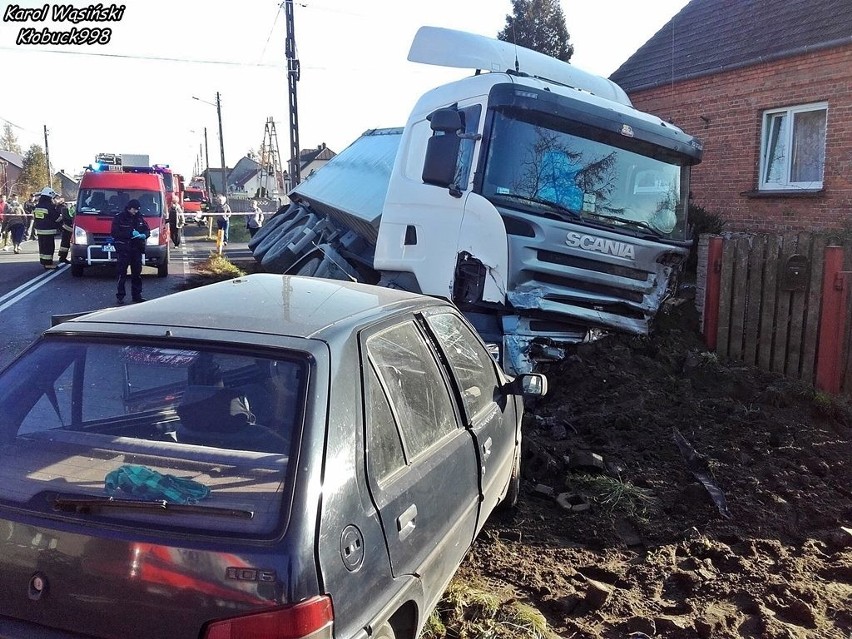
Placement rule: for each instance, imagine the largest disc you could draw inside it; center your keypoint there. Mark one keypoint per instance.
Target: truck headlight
(154, 238)
(80, 236)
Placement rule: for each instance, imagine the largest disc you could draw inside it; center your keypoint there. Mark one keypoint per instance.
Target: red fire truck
(105, 188)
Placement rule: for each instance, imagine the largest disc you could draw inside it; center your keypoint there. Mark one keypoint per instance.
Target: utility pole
(221, 145)
(207, 162)
(292, 79)
(47, 159)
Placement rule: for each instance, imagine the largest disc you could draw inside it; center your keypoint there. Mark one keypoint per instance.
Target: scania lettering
(532, 194)
(600, 245)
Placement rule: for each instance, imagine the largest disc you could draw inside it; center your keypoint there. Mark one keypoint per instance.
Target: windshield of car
(556, 167)
(152, 430)
(99, 201)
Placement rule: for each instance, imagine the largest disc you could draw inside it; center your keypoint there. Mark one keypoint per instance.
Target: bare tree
(9, 141)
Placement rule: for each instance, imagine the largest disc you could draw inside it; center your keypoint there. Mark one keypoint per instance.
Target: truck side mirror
(442, 150)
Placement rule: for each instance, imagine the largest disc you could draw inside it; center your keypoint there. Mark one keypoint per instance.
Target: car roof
(268, 303)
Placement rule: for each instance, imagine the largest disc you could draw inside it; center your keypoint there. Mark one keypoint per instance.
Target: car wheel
(163, 269)
(514, 489)
(385, 631)
(77, 270)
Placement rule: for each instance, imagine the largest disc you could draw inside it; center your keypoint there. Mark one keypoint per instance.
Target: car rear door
(421, 462)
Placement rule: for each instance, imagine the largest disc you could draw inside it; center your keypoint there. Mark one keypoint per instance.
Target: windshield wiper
(641, 224)
(563, 212)
(87, 505)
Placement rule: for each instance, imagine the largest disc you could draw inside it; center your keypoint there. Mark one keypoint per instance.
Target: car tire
(385, 631)
(77, 270)
(514, 490)
(163, 268)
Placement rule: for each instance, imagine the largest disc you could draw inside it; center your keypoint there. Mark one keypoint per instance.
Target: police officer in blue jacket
(129, 232)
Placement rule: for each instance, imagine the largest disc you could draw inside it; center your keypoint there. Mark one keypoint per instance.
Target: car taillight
(311, 619)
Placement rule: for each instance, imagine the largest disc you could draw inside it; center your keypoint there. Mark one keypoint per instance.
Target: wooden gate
(770, 297)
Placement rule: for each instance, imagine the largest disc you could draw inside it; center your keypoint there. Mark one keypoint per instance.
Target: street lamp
(218, 106)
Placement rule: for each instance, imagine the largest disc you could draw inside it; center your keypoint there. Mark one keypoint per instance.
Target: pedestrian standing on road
(223, 220)
(129, 232)
(254, 220)
(17, 221)
(176, 221)
(47, 224)
(4, 226)
(67, 226)
(29, 207)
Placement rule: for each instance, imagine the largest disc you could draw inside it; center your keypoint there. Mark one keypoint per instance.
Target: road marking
(29, 287)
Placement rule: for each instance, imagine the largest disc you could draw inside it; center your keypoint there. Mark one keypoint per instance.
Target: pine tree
(34, 173)
(538, 25)
(9, 141)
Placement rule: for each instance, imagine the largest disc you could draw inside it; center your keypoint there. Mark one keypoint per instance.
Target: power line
(150, 58)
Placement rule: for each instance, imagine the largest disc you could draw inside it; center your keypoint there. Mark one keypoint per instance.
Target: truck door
(489, 413)
(421, 463)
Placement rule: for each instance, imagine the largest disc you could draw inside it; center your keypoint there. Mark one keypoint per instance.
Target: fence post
(831, 324)
(711, 298)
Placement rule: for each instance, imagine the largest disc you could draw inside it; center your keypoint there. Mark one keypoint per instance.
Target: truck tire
(77, 270)
(273, 237)
(279, 258)
(163, 269)
(269, 227)
(307, 266)
(335, 267)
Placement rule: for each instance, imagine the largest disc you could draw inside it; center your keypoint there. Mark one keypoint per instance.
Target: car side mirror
(529, 385)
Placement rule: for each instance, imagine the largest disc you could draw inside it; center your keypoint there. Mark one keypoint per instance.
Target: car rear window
(209, 432)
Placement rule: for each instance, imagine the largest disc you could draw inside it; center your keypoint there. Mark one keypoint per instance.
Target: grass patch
(615, 496)
(215, 268)
(474, 610)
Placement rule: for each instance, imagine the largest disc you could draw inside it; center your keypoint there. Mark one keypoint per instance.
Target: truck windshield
(193, 196)
(97, 201)
(564, 166)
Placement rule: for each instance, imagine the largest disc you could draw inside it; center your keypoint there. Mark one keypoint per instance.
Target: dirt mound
(669, 494)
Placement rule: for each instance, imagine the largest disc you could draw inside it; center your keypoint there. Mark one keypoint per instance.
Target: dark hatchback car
(270, 457)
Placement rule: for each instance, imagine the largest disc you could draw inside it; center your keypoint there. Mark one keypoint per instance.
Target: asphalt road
(30, 295)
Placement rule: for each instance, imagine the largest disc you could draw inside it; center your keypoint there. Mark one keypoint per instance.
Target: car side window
(415, 386)
(472, 366)
(384, 448)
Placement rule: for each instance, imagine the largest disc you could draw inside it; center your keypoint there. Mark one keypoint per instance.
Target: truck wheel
(272, 238)
(163, 269)
(77, 270)
(269, 227)
(279, 258)
(306, 267)
(335, 267)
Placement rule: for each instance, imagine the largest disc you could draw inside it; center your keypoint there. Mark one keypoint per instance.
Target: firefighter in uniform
(47, 225)
(67, 222)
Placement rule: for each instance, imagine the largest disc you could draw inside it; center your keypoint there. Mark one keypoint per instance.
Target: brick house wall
(725, 111)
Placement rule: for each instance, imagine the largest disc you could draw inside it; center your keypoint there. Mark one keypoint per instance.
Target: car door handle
(406, 522)
(486, 449)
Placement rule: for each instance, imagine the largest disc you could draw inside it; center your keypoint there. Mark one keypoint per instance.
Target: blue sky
(135, 94)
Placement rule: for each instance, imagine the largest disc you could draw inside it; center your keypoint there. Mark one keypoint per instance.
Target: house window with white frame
(792, 154)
